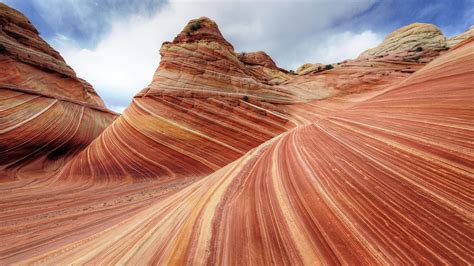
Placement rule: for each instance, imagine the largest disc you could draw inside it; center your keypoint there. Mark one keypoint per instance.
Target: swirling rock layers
(205, 106)
(384, 180)
(241, 170)
(47, 114)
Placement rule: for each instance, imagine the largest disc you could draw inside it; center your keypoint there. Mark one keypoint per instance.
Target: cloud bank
(293, 33)
(114, 44)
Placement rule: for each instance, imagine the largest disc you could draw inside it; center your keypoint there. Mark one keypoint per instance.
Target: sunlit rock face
(380, 177)
(226, 159)
(410, 37)
(47, 114)
(205, 107)
(460, 37)
(308, 67)
(209, 105)
(403, 52)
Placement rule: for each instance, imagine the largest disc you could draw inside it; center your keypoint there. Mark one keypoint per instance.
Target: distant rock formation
(379, 177)
(206, 106)
(368, 163)
(413, 37)
(263, 65)
(203, 94)
(460, 37)
(307, 68)
(47, 113)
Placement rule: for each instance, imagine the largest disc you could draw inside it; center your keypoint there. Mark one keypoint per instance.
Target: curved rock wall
(47, 114)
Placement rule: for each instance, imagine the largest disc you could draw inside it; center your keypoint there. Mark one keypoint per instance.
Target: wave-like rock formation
(460, 37)
(307, 68)
(206, 106)
(47, 114)
(403, 52)
(384, 180)
(411, 37)
(227, 159)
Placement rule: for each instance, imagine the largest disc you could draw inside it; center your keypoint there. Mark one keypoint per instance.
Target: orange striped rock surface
(47, 114)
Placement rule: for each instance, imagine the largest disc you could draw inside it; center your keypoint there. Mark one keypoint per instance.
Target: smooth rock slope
(47, 114)
(384, 181)
(227, 159)
(206, 107)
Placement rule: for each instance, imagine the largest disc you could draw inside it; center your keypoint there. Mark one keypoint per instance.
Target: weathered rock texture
(410, 38)
(379, 174)
(307, 68)
(47, 114)
(402, 53)
(381, 177)
(204, 106)
(460, 37)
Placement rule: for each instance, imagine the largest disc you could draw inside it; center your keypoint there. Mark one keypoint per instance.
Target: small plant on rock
(246, 98)
(327, 67)
(195, 26)
(419, 49)
(3, 50)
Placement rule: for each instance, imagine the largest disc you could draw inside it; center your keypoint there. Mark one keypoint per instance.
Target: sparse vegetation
(327, 67)
(246, 98)
(195, 26)
(419, 49)
(3, 50)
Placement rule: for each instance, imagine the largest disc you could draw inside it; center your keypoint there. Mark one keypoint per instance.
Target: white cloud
(292, 32)
(341, 46)
(117, 108)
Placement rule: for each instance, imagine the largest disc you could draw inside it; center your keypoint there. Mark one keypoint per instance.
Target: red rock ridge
(47, 114)
(381, 177)
(208, 106)
(204, 106)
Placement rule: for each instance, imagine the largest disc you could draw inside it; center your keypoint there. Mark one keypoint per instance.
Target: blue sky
(114, 44)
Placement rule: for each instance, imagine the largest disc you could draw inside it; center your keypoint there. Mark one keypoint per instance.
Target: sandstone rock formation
(46, 112)
(415, 36)
(240, 170)
(401, 53)
(307, 68)
(263, 65)
(204, 106)
(381, 177)
(460, 37)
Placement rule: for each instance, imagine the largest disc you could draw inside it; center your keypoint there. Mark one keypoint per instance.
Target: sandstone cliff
(47, 113)
(413, 37)
(244, 170)
(460, 37)
(206, 105)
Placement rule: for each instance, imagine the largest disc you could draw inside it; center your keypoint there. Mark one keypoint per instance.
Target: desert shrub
(327, 67)
(3, 50)
(195, 26)
(419, 49)
(246, 98)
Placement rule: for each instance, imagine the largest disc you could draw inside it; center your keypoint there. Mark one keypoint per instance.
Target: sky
(114, 44)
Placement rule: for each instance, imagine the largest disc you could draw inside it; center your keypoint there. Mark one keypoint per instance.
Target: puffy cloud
(292, 32)
(341, 46)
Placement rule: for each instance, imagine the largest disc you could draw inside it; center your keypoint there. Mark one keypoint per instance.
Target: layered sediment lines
(208, 105)
(204, 109)
(370, 162)
(403, 52)
(47, 114)
(385, 179)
